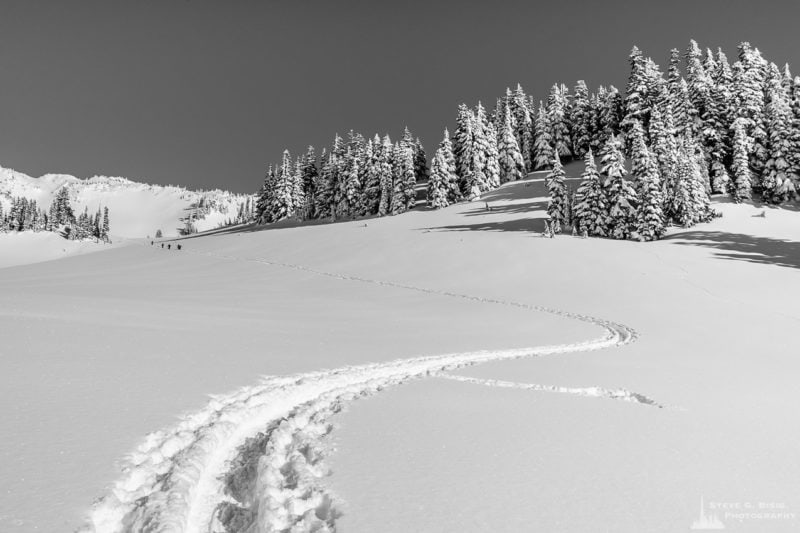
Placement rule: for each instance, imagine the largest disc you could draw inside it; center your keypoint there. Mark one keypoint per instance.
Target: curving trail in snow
(251, 460)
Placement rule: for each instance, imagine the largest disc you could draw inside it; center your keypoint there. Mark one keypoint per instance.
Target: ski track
(175, 481)
(594, 392)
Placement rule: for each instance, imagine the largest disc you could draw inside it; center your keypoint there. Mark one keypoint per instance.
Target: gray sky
(206, 94)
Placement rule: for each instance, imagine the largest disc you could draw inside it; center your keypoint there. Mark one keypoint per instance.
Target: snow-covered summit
(137, 209)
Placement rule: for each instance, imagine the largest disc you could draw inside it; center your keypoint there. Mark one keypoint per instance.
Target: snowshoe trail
(252, 460)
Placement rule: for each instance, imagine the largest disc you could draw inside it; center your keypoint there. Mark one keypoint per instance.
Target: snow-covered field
(136, 209)
(100, 349)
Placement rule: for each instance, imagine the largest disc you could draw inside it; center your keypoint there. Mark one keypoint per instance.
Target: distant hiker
(162, 245)
(169, 247)
(151, 243)
(179, 247)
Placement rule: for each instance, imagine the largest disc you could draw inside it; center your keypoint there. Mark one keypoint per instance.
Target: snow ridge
(206, 474)
(137, 209)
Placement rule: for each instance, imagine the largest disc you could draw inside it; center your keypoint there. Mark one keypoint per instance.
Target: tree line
(704, 127)
(358, 176)
(26, 215)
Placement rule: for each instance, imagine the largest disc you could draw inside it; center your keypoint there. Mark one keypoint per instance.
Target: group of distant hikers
(169, 246)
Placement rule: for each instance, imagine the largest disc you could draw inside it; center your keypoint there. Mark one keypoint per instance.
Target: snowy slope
(26, 247)
(332, 313)
(137, 209)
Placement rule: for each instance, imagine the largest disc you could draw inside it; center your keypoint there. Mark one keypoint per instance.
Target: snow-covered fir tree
(463, 146)
(591, 211)
(387, 177)
(620, 195)
(557, 191)
(326, 186)
(283, 206)
(581, 119)
(512, 165)
(650, 221)
(454, 189)
(742, 185)
(557, 120)
(372, 176)
(636, 109)
(523, 114)
(350, 203)
(409, 178)
(421, 170)
(777, 185)
(443, 183)
(543, 141)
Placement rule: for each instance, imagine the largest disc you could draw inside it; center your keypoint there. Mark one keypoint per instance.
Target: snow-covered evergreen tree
(512, 165)
(387, 177)
(581, 118)
(106, 227)
(636, 108)
(620, 196)
(650, 221)
(543, 141)
(443, 183)
(591, 211)
(697, 82)
(309, 182)
(523, 114)
(326, 187)
(749, 76)
(610, 114)
(454, 189)
(409, 178)
(421, 170)
(777, 185)
(463, 147)
(557, 120)
(794, 92)
(742, 185)
(557, 191)
(372, 176)
(350, 202)
(283, 200)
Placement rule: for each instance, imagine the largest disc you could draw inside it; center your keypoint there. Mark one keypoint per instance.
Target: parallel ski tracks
(175, 481)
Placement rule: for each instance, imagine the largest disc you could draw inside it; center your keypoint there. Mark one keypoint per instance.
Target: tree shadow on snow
(506, 209)
(530, 225)
(740, 247)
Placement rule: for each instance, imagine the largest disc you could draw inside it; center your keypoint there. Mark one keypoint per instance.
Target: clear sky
(206, 94)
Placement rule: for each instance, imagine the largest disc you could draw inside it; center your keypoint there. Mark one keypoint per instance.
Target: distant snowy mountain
(136, 209)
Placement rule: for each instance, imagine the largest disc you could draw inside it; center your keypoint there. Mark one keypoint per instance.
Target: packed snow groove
(595, 392)
(205, 474)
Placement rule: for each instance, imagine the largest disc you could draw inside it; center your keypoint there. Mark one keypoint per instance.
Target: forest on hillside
(704, 127)
(26, 215)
